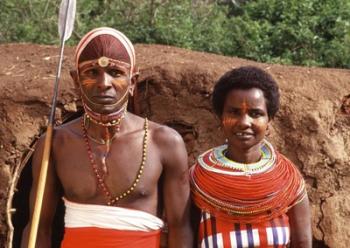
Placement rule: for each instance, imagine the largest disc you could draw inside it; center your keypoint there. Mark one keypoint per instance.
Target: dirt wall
(312, 127)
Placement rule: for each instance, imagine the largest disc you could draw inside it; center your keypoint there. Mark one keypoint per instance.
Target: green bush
(308, 32)
(28, 21)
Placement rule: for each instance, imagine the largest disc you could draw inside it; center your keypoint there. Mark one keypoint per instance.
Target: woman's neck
(246, 156)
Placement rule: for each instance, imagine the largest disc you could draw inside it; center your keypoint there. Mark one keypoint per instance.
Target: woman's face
(245, 118)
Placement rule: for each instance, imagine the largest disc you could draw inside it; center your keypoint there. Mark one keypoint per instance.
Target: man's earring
(131, 91)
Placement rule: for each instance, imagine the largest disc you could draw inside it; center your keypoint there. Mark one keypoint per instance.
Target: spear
(65, 29)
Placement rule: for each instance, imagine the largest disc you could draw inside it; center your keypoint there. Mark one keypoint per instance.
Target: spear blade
(66, 18)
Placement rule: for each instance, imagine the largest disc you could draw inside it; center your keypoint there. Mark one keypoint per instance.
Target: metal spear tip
(66, 18)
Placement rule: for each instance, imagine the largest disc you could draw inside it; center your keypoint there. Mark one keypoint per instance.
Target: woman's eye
(235, 111)
(256, 114)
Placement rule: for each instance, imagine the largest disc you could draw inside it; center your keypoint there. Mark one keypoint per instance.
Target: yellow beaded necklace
(113, 200)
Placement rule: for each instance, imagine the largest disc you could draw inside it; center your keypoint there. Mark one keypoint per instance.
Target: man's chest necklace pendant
(100, 175)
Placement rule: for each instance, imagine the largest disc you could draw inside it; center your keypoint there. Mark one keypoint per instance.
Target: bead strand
(112, 123)
(114, 200)
(111, 200)
(243, 199)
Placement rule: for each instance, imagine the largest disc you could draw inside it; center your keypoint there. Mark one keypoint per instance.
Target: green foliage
(308, 32)
(28, 21)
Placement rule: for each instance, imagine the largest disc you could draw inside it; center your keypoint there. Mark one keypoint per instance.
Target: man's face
(245, 118)
(104, 88)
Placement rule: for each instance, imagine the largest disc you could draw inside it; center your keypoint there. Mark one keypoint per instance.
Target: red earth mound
(312, 127)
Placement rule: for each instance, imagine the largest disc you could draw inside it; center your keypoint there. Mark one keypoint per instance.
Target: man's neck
(102, 134)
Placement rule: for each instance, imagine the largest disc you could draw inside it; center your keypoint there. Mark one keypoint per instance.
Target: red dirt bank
(312, 127)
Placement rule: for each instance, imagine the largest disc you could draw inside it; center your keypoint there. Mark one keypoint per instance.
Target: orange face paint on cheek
(120, 83)
(86, 82)
(228, 122)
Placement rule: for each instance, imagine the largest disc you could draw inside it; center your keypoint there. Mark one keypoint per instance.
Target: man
(109, 162)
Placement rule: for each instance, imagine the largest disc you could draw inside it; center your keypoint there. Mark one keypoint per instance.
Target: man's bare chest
(126, 169)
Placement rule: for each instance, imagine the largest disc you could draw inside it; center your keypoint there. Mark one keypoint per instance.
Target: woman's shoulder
(215, 149)
(283, 158)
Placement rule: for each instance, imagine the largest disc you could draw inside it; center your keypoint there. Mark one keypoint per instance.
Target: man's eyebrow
(117, 67)
(88, 67)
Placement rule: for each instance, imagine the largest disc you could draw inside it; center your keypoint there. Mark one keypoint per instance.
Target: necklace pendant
(104, 166)
(247, 171)
(113, 200)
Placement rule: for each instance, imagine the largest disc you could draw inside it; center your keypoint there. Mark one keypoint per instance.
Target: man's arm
(176, 188)
(195, 220)
(49, 201)
(300, 225)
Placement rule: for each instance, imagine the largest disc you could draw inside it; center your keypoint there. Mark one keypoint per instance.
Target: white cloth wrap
(109, 217)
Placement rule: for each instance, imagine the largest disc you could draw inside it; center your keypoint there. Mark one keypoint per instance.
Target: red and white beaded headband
(110, 31)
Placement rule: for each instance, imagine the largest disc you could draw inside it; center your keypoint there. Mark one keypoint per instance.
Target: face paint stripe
(228, 122)
(244, 107)
(114, 104)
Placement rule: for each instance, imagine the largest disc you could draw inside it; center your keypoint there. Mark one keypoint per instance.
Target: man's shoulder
(71, 125)
(165, 136)
(61, 136)
(157, 131)
(64, 129)
(68, 130)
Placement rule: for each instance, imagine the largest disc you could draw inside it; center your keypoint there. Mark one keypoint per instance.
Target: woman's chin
(244, 144)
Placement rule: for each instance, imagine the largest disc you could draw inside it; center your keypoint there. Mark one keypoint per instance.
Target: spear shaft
(49, 132)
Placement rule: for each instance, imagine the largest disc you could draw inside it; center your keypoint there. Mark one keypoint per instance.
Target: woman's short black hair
(247, 77)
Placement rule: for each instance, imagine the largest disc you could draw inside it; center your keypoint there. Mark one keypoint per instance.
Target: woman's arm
(300, 225)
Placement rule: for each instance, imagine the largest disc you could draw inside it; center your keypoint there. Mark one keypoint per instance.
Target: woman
(248, 194)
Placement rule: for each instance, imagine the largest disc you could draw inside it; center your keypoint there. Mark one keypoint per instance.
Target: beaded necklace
(115, 124)
(221, 187)
(113, 200)
(216, 161)
(89, 115)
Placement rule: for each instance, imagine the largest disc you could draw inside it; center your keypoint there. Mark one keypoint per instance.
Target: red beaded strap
(113, 200)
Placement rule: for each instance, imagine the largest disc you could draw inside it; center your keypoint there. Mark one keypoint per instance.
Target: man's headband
(126, 43)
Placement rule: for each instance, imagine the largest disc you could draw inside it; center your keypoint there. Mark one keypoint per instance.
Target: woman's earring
(267, 131)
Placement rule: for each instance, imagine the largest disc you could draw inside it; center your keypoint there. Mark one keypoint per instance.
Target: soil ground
(312, 127)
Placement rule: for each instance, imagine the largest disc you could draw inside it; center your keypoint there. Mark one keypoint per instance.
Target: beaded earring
(267, 133)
